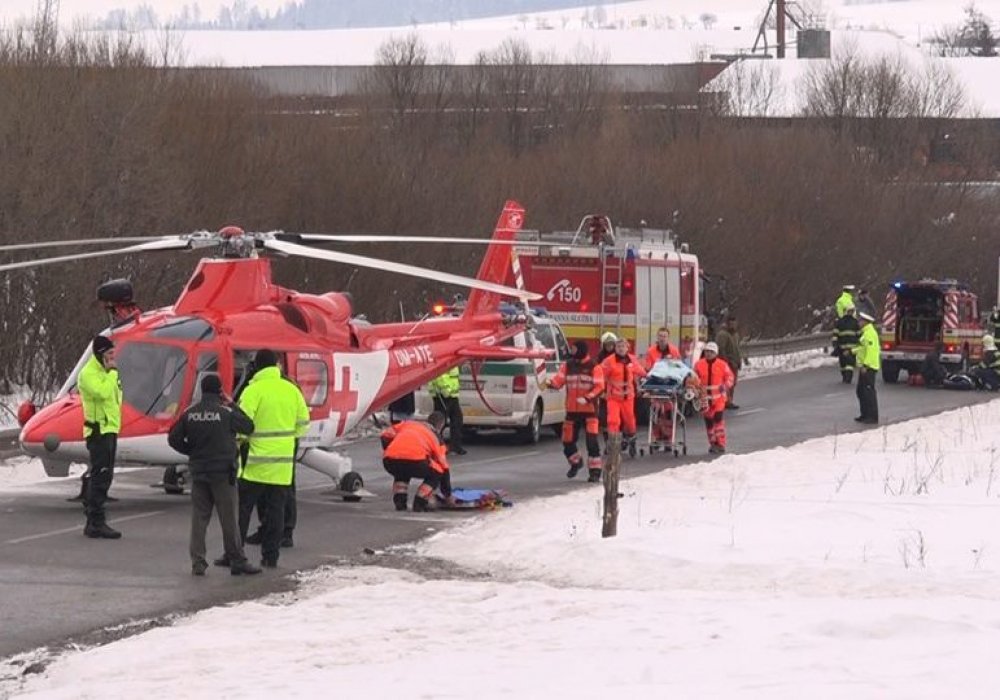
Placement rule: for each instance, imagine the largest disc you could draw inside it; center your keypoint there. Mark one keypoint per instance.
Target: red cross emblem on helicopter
(344, 400)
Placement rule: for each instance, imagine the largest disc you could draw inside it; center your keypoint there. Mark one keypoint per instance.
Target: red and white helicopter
(230, 308)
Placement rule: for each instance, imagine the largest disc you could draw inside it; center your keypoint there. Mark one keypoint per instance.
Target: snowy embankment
(864, 565)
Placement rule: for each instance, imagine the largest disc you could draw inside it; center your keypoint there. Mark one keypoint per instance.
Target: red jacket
(582, 379)
(717, 378)
(654, 354)
(416, 442)
(620, 374)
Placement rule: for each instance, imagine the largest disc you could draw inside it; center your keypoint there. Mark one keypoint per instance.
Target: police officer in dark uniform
(206, 433)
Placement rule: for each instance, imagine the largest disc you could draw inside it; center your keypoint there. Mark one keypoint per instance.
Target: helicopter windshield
(152, 376)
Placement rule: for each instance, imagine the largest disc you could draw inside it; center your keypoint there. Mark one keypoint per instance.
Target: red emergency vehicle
(917, 314)
(630, 281)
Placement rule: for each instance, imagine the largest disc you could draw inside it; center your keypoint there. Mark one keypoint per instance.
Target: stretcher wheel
(685, 449)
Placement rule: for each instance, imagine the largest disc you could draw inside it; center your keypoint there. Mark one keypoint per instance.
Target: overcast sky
(69, 9)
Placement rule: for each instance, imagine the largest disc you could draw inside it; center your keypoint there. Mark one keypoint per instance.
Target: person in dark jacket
(864, 304)
(846, 335)
(206, 433)
(931, 369)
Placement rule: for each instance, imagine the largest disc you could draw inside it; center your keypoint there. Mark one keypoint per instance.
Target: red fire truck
(630, 281)
(917, 314)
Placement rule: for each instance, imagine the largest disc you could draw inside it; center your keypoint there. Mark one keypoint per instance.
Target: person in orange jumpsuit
(584, 382)
(662, 349)
(621, 372)
(716, 378)
(412, 450)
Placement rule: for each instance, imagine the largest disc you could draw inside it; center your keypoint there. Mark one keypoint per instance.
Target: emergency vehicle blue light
(897, 285)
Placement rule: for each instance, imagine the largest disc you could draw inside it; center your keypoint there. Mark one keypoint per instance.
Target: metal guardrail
(8, 443)
(783, 346)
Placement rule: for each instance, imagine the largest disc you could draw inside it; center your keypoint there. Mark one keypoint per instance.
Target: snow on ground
(864, 565)
(789, 362)
(22, 471)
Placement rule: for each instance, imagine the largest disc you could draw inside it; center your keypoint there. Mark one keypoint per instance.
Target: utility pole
(780, 22)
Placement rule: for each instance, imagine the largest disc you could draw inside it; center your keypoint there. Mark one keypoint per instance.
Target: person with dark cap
(280, 417)
(206, 433)
(101, 396)
(584, 382)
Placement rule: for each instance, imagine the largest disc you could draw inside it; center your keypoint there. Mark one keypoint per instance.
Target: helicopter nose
(53, 430)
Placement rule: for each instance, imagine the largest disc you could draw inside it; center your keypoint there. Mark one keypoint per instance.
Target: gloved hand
(581, 401)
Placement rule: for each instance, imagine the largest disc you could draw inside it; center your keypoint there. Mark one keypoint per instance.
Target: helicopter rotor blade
(159, 244)
(379, 238)
(78, 241)
(401, 268)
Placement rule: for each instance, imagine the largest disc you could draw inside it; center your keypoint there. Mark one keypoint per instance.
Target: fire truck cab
(630, 281)
(918, 314)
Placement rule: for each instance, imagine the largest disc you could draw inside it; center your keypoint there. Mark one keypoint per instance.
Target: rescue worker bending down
(206, 433)
(414, 451)
(101, 396)
(846, 333)
(987, 372)
(584, 382)
(445, 390)
(716, 377)
(621, 372)
(280, 416)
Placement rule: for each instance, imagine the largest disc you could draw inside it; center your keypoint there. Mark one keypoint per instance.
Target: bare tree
(750, 88)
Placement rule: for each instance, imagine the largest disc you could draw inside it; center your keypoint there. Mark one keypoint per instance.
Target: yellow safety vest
(868, 351)
(101, 396)
(280, 416)
(843, 301)
(447, 385)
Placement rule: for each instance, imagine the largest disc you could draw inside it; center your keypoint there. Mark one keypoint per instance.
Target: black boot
(420, 505)
(101, 531)
(847, 377)
(243, 568)
(595, 476)
(574, 469)
(399, 500)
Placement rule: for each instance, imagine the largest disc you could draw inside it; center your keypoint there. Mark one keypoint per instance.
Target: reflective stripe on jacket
(620, 374)
(447, 385)
(868, 351)
(716, 377)
(416, 442)
(582, 379)
(280, 416)
(101, 396)
(846, 333)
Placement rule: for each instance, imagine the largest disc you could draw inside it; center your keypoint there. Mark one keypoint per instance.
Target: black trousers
(867, 396)
(451, 408)
(291, 511)
(215, 493)
(402, 470)
(273, 514)
(101, 449)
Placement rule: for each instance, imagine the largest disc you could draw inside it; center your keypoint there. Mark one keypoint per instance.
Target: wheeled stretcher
(673, 396)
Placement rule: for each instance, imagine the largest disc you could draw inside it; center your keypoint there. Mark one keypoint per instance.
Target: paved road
(55, 584)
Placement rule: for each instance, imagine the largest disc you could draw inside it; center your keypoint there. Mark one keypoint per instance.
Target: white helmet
(989, 343)
(712, 347)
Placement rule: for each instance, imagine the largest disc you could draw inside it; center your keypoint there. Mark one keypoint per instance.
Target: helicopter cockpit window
(152, 377)
(185, 328)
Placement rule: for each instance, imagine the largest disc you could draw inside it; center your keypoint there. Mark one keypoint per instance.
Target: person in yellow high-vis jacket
(445, 390)
(101, 396)
(869, 354)
(280, 417)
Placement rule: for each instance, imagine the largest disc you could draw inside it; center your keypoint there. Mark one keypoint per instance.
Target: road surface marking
(76, 528)
(751, 411)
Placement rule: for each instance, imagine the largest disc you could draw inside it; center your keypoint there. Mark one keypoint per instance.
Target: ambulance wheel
(351, 482)
(532, 432)
(174, 481)
(890, 372)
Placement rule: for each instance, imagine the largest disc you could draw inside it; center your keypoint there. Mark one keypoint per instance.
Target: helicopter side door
(311, 371)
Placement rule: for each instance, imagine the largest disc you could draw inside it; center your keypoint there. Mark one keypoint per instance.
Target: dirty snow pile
(864, 565)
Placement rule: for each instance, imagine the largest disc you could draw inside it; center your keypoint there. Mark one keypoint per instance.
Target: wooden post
(612, 467)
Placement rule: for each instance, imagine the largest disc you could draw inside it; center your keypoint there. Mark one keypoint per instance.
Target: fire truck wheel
(532, 432)
(890, 372)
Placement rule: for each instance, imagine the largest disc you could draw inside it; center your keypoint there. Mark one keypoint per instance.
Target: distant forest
(331, 14)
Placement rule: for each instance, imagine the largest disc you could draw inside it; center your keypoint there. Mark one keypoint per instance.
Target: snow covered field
(854, 566)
